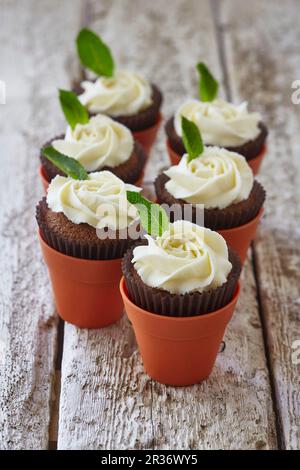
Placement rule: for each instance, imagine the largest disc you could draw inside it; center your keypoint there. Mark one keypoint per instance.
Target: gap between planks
(278, 421)
(222, 53)
(84, 20)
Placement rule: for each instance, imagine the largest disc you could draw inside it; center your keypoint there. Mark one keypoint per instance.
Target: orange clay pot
(45, 182)
(239, 238)
(178, 351)
(86, 291)
(147, 137)
(254, 163)
(174, 157)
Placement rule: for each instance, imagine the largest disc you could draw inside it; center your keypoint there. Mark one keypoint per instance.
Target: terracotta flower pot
(178, 351)
(44, 179)
(239, 238)
(45, 182)
(174, 157)
(147, 137)
(257, 161)
(86, 291)
(254, 163)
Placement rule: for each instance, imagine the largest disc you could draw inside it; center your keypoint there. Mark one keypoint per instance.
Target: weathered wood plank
(106, 399)
(269, 54)
(34, 61)
(233, 409)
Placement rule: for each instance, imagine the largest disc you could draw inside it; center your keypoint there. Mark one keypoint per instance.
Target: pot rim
(164, 318)
(242, 227)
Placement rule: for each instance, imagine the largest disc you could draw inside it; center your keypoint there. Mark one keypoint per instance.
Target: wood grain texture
(34, 61)
(233, 409)
(107, 402)
(263, 61)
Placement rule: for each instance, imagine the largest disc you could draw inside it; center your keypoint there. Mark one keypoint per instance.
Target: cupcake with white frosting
(220, 122)
(213, 180)
(186, 271)
(125, 95)
(98, 143)
(76, 213)
(219, 181)
(86, 224)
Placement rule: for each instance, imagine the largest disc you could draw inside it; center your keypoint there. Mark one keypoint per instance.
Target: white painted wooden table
(87, 389)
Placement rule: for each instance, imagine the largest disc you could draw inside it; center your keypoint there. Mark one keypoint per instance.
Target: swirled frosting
(216, 179)
(101, 142)
(99, 201)
(220, 123)
(126, 93)
(186, 258)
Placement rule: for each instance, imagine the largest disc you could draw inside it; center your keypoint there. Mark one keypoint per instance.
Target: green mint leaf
(94, 54)
(208, 86)
(153, 217)
(74, 111)
(192, 139)
(68, 165)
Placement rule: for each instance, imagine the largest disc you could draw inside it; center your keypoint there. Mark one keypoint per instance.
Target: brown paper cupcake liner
(129, 171)
(50, 170)
(77, 240)
(232, 216)
(143, 119)
(146, 118)
(179, 305)
(249, 150)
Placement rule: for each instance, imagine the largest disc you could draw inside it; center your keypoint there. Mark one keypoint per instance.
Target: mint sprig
(74, 111)
(192, 139)
(68, 165)
(153, 217)
(208, 86)
(94, 54)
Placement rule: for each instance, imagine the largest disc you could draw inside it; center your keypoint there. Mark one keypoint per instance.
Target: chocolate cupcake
(124, 95)
(138, 115)
(221, 123)
(88, 218)
(187, 271)
(99, 144)
(249, 143)
(218, 181)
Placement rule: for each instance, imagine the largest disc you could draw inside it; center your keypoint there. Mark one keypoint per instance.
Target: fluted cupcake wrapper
(102, 250)
(146, 118)
(232, 216)
(129, 171)
(249, 150)
(236, 214)
(179, 305)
